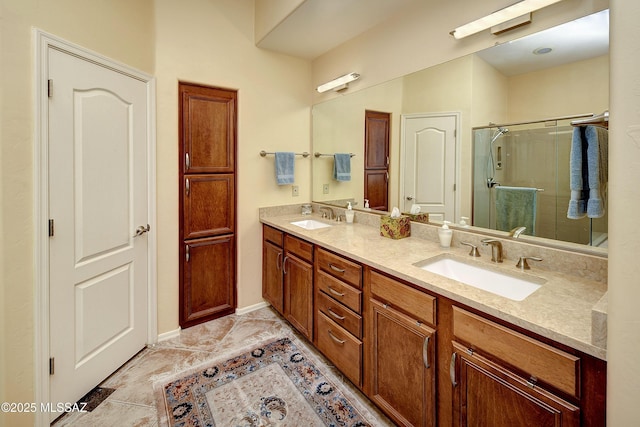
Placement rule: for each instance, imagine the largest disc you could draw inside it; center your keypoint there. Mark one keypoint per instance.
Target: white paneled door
(428, 164)
(98, 195)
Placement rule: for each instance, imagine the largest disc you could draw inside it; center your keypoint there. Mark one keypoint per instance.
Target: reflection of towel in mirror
(588, 174)
(342, 167)
(598, 168)
(284, 167)
(516, 207)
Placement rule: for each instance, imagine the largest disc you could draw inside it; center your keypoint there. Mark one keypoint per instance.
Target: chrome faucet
(327, 212)
(496, 249)
(516, 232)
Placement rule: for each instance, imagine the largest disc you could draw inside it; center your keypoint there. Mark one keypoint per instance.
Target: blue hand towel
(577, 175)
(597, 166)
(516, 207)
(284, 167)
(342, 167)
(588, 172)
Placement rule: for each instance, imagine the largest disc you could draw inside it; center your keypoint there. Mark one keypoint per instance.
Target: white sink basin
(505, 285)
(310, 224)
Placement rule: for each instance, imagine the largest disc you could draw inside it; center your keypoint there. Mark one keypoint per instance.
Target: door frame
(403, 119)
(42, 43)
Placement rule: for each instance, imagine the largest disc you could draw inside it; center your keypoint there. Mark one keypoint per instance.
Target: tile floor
(133, 403)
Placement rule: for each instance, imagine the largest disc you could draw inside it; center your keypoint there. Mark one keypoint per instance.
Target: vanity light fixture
(513, 12)
(339, 83)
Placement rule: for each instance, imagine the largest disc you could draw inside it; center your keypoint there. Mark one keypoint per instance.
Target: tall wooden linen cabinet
(207, 171)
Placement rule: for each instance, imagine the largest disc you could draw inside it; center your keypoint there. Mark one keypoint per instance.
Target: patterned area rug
(275, 384)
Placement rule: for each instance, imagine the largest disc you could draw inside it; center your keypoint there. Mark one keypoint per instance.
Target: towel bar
(264, 154)
(317, 154)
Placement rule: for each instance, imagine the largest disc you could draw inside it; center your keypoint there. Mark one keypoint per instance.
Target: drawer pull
(333, 337)
(425, 352)
(452, 369)
(333, 291)
(335, 315)
(338, 269)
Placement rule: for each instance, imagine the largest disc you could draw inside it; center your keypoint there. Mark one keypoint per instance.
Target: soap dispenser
(349, 213)
(366, 204)
(445, 234)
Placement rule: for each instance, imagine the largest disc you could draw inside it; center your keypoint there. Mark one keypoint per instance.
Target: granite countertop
(560, 310)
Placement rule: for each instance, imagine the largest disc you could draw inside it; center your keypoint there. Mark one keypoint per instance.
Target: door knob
(409, 197)
(141, 230)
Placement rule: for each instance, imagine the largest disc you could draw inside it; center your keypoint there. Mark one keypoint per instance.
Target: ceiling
(318, 26)
(581, 39)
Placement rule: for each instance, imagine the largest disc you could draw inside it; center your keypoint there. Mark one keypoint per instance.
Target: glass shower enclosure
(533, 156)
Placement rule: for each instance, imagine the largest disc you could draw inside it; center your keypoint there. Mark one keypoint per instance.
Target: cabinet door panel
(403, 370)
(208, 129)
(272, 276)
(298, 290)
(208, 205)
(493, 396)
(208, 286)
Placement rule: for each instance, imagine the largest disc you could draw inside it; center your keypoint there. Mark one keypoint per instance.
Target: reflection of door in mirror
(428, 164)
(376, 159)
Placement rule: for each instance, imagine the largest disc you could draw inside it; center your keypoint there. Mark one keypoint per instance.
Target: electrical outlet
(325, 189)
(295, 191)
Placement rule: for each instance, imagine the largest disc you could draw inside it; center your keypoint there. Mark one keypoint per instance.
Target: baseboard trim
(249, 309)
(168, 335)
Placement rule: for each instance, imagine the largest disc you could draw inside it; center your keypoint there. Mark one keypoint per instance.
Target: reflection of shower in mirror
(492, 165)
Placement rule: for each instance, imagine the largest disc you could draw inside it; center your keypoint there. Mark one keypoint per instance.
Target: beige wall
(120, 29)
(623, 341)
(211, 42)
(576, 88)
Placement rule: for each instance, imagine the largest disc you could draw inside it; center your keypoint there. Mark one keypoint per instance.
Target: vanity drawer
(546, 363)
(344, 317)
(339, 291)
(403, 297)
(341, 348)
(272, 235)
(339, 267)
(298, 247)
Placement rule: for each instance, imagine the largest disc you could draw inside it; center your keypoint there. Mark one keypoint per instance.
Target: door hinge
(49, 88)
(51, 228)
(455, 133)
(454, 187)
(52, 366)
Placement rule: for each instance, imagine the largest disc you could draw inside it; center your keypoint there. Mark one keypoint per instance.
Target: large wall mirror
(533, 82)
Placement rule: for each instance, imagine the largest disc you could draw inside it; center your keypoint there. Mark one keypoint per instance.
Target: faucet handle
(474, 249)
(522, 262)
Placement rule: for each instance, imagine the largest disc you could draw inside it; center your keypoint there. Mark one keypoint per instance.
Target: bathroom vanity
(429, 350)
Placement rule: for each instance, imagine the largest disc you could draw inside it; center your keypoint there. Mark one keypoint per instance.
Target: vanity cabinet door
(402, 372)
(272, 285)
(488, 394)
(298, 294)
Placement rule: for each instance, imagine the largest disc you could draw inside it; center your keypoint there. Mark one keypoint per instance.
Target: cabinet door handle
(335, 315)
(452, 369)
(187, 186)
(338, 269)
(187, 161)
(278, 264)
(425, 352)
(333, 337)
(187, 256)
(284, 265)
(333, 291)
